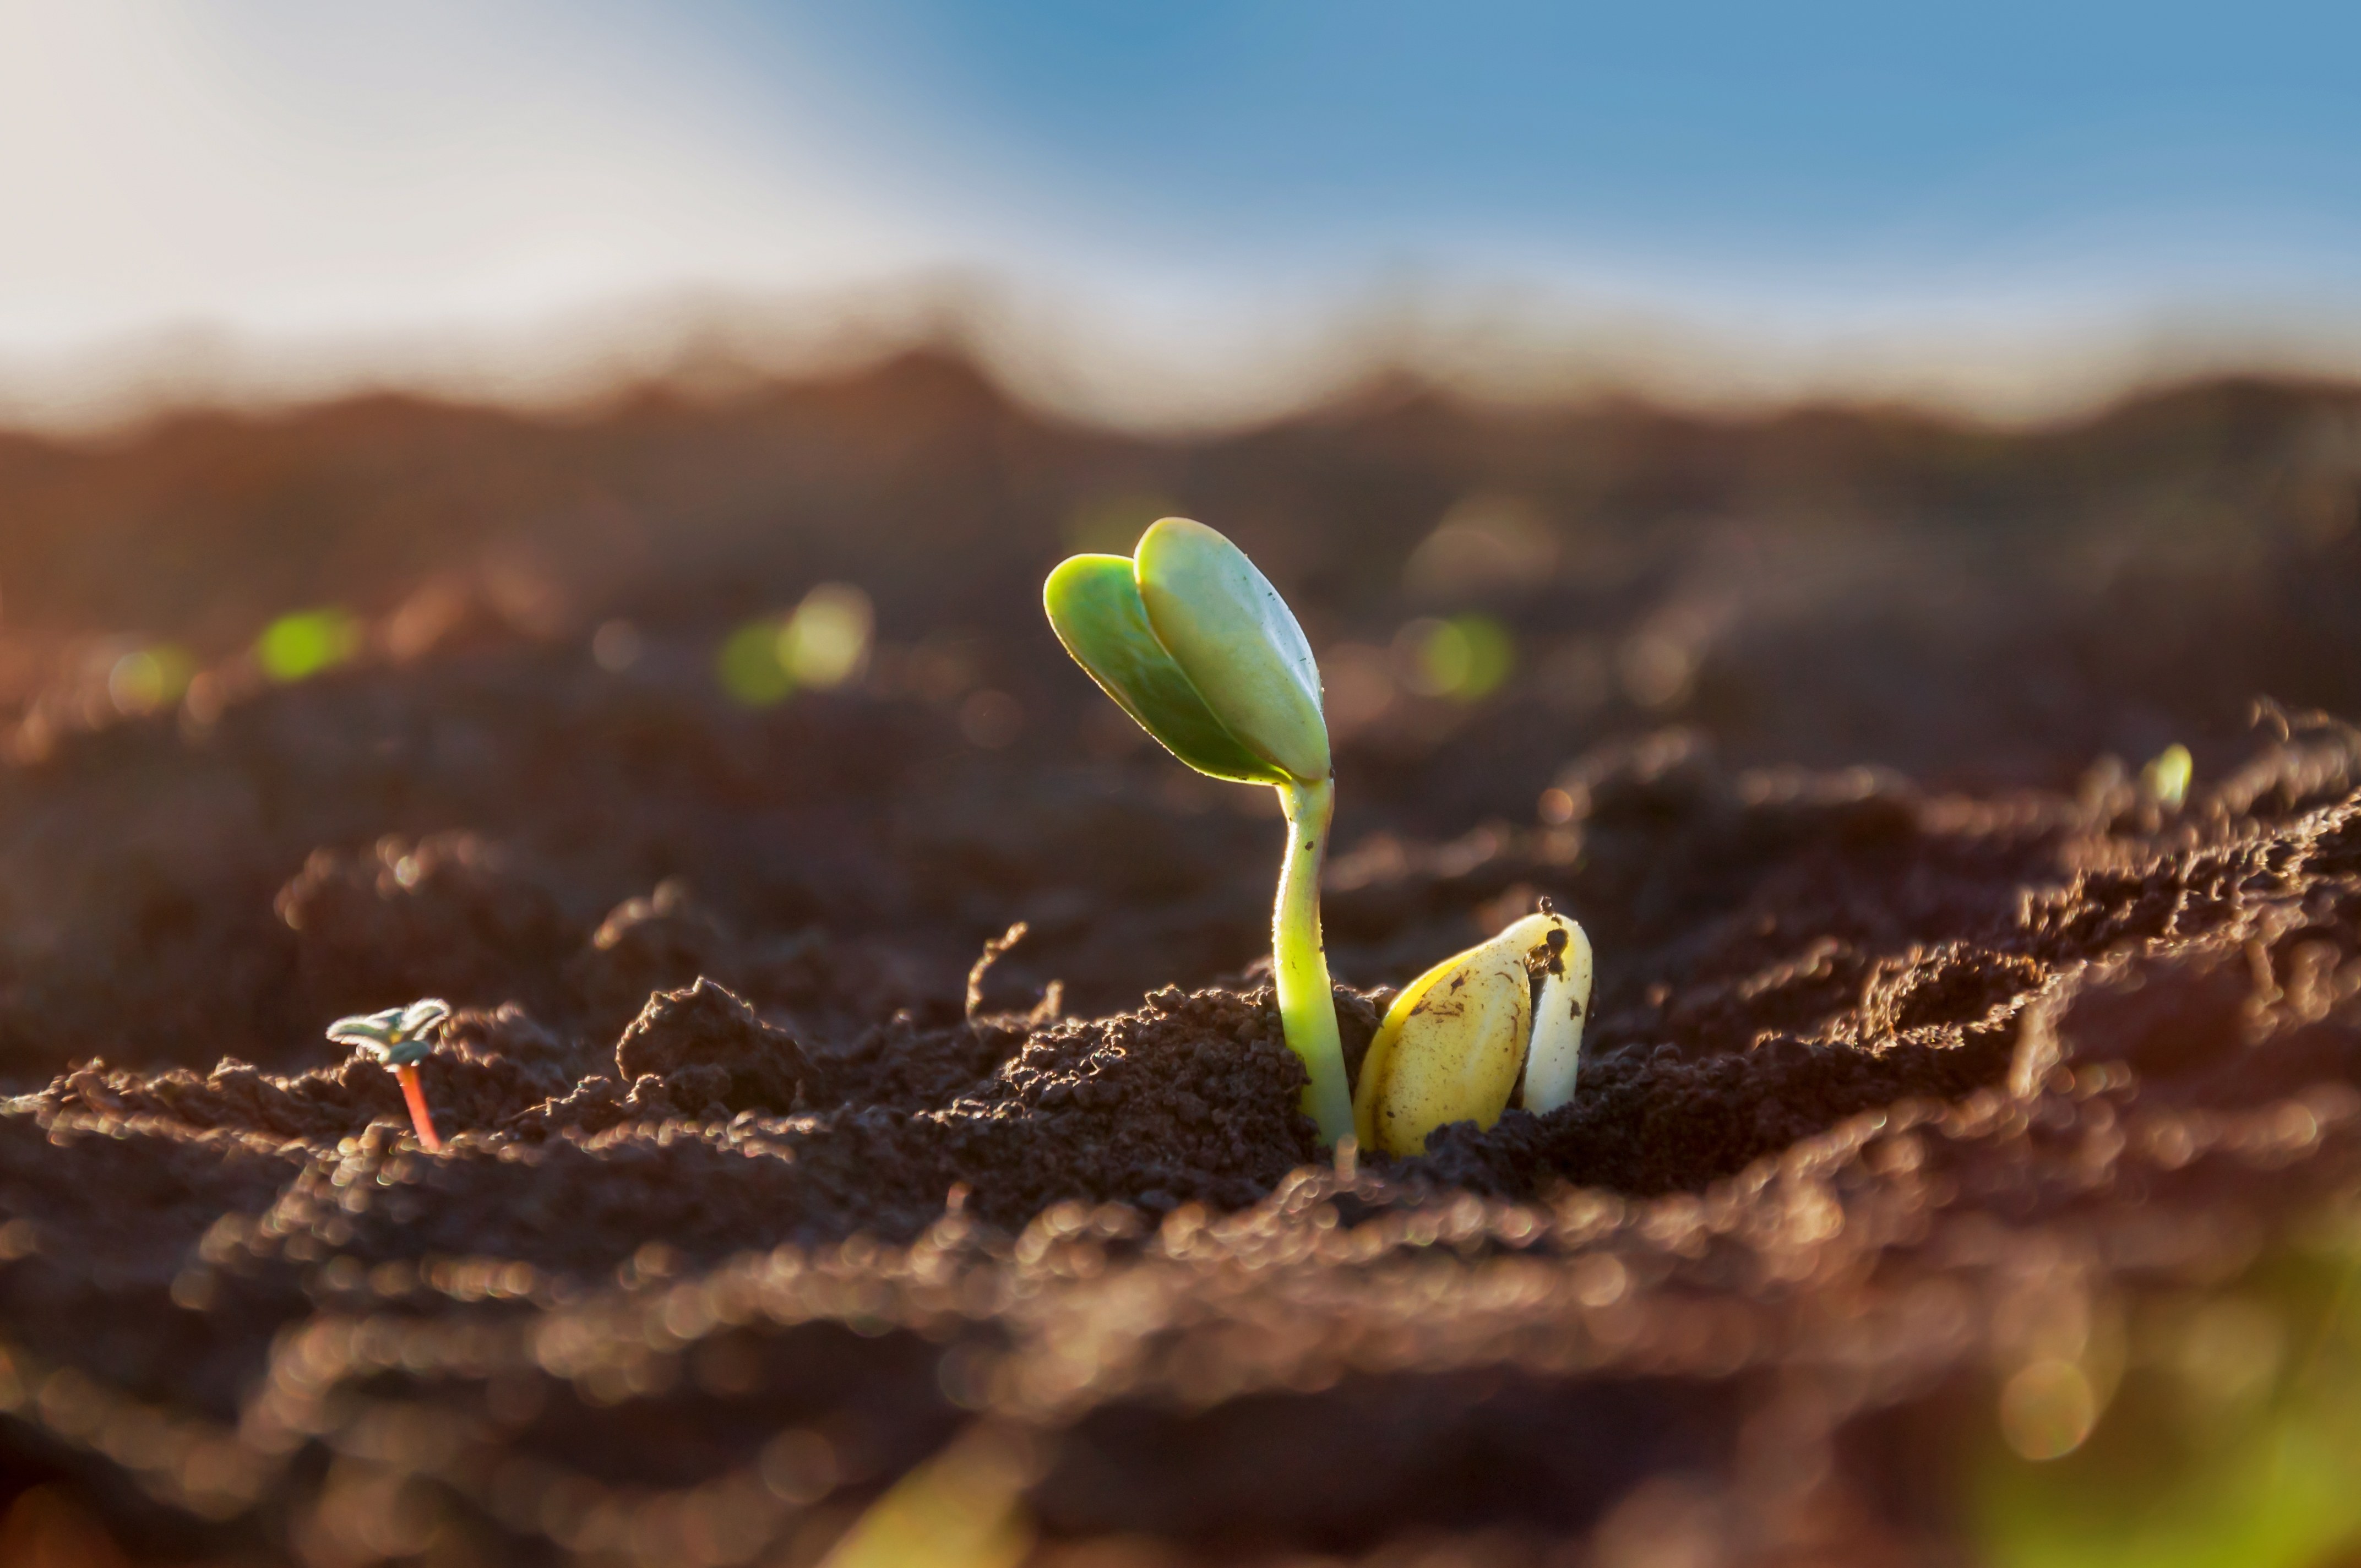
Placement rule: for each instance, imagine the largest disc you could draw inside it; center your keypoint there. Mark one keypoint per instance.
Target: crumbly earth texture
(1951, 1144)
(703, 1301)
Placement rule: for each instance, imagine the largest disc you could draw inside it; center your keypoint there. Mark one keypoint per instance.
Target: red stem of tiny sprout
(415, 1093)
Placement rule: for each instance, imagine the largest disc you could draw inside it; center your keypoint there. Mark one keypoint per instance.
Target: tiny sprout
(822, 644)
(148, 678)
(396, 1039)
(298, 646)
(1196, 645)
(1456, 1042)
(825, 641)
(1464, 658)
(2166, 778)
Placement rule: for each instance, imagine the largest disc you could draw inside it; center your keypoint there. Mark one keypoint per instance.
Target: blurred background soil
(1976, 608)
(1967, 1101)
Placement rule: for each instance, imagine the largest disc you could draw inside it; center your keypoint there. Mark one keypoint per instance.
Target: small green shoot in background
(299, 645)
(1464, 658)
(820, 645)
(2168, 775)
(749, 668)
(1195, 644)
(149, 678)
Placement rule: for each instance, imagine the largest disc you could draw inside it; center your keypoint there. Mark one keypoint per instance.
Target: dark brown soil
(1923, 1026)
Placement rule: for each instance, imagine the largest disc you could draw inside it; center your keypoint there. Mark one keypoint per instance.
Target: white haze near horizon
(262, 199)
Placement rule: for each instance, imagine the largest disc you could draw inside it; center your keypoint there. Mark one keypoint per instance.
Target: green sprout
(2166, 778)
(298, 646)
(1459, 1040)
(1194, 643)
(748, 666)
(1464, 658)
(822, 643)
(396, 1040)
(148, 678)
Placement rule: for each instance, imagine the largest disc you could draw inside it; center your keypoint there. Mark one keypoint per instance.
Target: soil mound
(1997, 1104)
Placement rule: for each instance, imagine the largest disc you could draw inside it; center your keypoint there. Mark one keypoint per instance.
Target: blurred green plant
(1196, 645)
(299, 645)
(1464, 658)
(825, 641)
(2168, 775)
(2234, 1441)
(1460, 1037)
(748, 666)
(149, 678)
(822, 643)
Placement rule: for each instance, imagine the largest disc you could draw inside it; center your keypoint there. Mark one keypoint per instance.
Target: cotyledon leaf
(1230, 632)
(1095, 607)
(396, 1037)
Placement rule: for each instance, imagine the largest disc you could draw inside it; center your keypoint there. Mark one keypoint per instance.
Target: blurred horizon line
(1182, 372)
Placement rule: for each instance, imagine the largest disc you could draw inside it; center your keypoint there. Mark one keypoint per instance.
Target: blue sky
(1904, 146)
(1201, 179)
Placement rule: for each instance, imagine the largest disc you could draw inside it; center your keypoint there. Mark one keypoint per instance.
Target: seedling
(1194, 643)
(397, 1040)
(2166, 778)
(298, 646)
(1457, 1040)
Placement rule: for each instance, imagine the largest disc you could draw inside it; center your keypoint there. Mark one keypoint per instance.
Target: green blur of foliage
(821, 644)
(2234, 1441)
(749, 665)
(2166, 777)
(1464, 658)
(301, 644)
(149, 678)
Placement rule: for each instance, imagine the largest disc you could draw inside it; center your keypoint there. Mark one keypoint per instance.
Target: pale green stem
(1299, 959)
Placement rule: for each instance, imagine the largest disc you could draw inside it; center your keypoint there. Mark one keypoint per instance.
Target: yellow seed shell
(1449, 1050)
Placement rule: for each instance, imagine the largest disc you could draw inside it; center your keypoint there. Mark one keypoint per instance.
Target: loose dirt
(1931, 1048)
